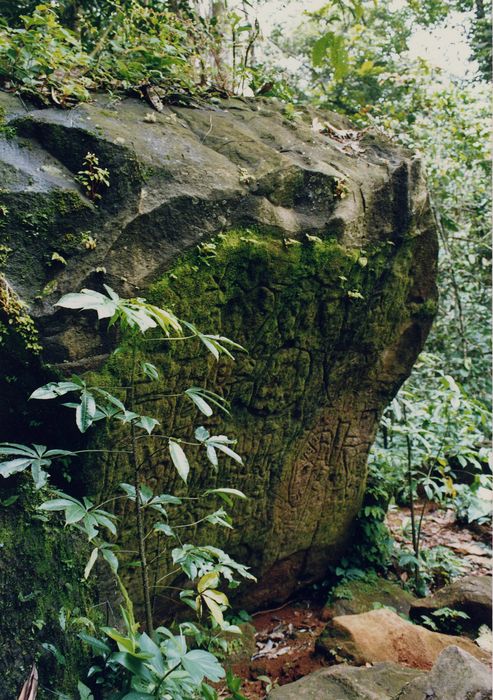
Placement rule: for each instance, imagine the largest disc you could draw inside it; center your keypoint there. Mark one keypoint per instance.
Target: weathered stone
(381, 635)
(384, 681)
(471, 595)
(320, 261)
(356, 597)
(456, 676)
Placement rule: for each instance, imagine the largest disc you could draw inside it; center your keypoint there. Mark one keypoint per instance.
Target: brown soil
(471, 545)
(286, 647)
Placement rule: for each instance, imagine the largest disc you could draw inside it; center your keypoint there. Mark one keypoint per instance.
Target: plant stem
(138, 507)
(414, 532)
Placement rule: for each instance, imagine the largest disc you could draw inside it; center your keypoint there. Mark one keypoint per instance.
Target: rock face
(384, 681)
(381, 635)
(471, 594)
(456, 676)
(317, 256)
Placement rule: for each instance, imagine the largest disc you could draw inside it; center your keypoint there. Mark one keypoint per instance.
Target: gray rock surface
(384, 681)
(456, 675)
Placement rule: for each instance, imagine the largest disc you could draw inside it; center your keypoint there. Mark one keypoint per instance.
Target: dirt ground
(286, 636)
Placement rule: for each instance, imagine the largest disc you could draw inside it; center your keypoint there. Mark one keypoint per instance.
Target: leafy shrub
(140, 46)
(160, 664)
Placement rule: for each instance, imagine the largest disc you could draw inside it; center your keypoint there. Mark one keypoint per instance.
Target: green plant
(156, 663)
(425, 442)
(92, 178)
(445, 620)
(435, 566)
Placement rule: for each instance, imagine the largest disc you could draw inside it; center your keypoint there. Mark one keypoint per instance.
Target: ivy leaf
(219, 517)
(147, 423)
(201, 434)
(179, 459)
(200, 402)
(225, 491)
(13, 466)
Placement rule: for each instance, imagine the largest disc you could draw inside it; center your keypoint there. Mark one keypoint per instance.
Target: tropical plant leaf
(179, 459)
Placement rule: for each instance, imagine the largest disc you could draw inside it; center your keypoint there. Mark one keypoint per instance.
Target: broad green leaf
(214, 609)
(148, 646)
(40, 477)
(111, 558)
(97, 645)
(200, 664)
(84, 692)
(12, 448)
(58, 504)
(14, 465)
(74, 513)
(129, 490)
(179, 459)
(103, 519)
(85, 411)
(124, 643)
(54, 389)
(210, 580)
(91, 562)
(319, 50)
(165, 529)
(88, 299)
(90, 525)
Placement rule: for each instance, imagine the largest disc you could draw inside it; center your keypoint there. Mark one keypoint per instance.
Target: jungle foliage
(130, 663)
(352, 57)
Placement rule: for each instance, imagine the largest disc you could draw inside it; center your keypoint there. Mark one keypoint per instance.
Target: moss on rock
(42, 600)
(321, 263)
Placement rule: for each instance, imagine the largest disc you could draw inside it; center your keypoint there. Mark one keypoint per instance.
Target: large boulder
(381, 635)
(384, 681)
(317, 254)
(456, 675)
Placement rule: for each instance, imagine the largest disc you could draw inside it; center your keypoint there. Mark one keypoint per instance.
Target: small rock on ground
(381, 635)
